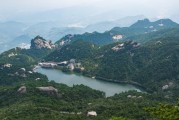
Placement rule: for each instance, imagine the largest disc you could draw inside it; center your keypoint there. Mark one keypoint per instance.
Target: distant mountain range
(15, 33)
(18, 32)
(141, 27)
(107, 25)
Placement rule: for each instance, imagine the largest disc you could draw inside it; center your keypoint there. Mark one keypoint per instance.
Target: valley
(59, 89)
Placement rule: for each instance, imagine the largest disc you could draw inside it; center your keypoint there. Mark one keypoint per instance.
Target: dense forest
(151, 65)
(149, 61)
(73, 102)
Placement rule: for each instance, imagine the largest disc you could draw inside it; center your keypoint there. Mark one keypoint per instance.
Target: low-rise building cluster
(71, 65)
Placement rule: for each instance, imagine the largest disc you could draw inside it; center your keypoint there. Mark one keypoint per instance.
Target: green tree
(164, 112)
(118, 118)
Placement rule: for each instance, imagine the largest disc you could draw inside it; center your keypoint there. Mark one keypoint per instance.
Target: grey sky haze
(149, 8)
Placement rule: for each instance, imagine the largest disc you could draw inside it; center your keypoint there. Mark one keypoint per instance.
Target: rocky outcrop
(66, 40)
(165, 87)
(39, 43)
(23, 70)
(49, 90)
(92, 114)
(7, 65)
(128, 45)
(22, 89)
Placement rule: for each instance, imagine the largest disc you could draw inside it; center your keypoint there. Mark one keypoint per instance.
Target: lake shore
(109, 87)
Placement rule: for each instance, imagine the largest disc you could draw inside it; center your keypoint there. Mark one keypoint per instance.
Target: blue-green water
(72, 79)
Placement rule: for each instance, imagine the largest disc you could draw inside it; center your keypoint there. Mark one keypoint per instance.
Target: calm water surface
(72, 79)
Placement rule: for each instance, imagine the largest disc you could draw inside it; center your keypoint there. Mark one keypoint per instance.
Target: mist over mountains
(54, 20)
(15, 33)
(89, 60)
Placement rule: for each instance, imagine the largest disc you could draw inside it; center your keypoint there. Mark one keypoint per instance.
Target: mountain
(56, 33)
(8, 31)
(153, 66)
(150, 65)
(107, 25)
(51, 29)
(40, 43)
(11, 29)
(25, 42)
(145, 26)
(21, 56)
(142, 38)
(162, 23)
(77, 50)
(141, 27)
(54, 30)
(24, 91)
(22, 39)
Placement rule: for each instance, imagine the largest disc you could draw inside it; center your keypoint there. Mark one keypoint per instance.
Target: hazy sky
(149, 8)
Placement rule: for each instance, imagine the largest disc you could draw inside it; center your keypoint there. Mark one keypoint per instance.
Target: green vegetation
(77, 50)
(17, 57)
(165, 112)
(118, 118)
(34, 104)
(142, 31)
(71, 102)
(153, 65)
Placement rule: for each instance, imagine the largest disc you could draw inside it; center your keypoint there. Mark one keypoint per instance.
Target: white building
(48, 64)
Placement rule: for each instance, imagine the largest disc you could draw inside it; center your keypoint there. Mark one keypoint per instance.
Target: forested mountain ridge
(166, 23)
(141, 27)
(152, 65)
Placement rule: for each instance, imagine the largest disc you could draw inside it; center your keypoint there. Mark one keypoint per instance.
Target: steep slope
(17, 57)
(152, 65)
(77, 50)
(40, 43)
(142, 38)
(162, 23)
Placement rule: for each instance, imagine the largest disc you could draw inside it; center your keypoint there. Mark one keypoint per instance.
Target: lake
(72, 79)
